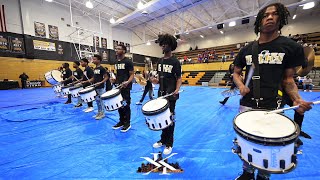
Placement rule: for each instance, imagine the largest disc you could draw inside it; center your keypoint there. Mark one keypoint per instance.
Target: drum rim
(75, 87)
(155, 112)
(111, 95)
(56, 81)
(86, 90)
(265, 140)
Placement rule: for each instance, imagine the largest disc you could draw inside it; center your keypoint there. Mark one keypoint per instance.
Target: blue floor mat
(42, 138)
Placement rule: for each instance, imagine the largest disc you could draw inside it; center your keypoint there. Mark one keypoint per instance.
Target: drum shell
(113, 101)
(75, 91)
(88, 95)
(52, 77)
(65, 90)
(57, 88)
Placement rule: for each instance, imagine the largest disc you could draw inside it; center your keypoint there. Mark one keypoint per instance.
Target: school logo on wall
(104, 43)
(60, 49)
(4, 45)
(104, 56)
(39, 29)
(53, 32)
(17, 45)
(159, 165)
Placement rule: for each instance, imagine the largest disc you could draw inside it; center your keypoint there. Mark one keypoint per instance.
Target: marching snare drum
(53, 77)
(75, 90)
(57, 88)
(157, 114)
(266, 141)
(66, 89)
(112, 99)
(88, 94)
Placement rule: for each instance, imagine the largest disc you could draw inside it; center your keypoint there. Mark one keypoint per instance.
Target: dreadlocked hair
(167, 39)
(282, 12)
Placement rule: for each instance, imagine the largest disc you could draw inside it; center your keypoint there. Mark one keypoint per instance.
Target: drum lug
(173, 118)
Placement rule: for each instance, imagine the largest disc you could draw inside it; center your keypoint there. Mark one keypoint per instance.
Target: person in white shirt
(307, 84)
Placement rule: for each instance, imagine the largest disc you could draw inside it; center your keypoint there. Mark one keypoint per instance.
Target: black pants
(147, 89)
(232, 87)
(23, 84)
(125, 111)
(167, 133)
(69, 97)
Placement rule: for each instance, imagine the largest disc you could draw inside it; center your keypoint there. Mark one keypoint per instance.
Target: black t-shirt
(274, 58)
(123, 68)
(23, 77)
(108, 83)
(87, 73)
(98, 75)
(171, 72)
(66, 74)
(78, 73)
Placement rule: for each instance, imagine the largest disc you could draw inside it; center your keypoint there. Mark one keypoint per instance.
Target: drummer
(278, 56)
(86, 78)
(77, 76)
(169, 78)
(67, 78)
(124, 76)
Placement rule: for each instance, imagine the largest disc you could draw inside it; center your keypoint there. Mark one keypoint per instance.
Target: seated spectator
(315, 47)
(196, 48)
(224, 58)
(246, 43)
(189, 60)
(231, 54)
(190, 49)
(307, 84)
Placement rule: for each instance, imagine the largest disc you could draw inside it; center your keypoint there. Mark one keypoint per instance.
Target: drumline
(261, 140)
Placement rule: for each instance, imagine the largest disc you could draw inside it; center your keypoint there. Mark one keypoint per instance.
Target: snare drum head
(260, 124)
(56, 75)
(86, 90)
(154, 105)
(111, 93)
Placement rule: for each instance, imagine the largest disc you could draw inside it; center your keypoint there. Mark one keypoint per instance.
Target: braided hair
(167, 39)
(282, 12)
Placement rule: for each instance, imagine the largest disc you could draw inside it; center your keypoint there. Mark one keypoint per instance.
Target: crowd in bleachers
(304, 40)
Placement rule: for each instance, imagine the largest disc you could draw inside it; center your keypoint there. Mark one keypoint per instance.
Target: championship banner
(60, 49)
(96, 43)
(104, 55)
(39, 29)
(53, 32)
(17, 45)
(128, 47)
(42, 45)
(4, 43)
(104, 43)
(115, 44)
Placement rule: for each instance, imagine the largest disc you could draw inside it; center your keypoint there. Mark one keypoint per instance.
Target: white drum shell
(88, 96)
(75, 92)
(273, 154)
(113, 103)
(159, 121)
(53, 77)
(57, 88)
(65, 91)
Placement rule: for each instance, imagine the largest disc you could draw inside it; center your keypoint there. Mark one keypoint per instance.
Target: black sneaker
(125, 128)
(67, 102)
(299, 142)
(117, 126)
(262, 178)
(246, 176)
(78, 105)
(222, 102)
(305, 135)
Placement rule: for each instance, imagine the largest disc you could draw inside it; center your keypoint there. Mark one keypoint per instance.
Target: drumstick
(289, 108)
(169, 94)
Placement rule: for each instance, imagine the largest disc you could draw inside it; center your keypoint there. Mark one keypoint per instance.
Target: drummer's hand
(112, 80)
(176, 92)
(303, 106)
(125, 84)
(244, 90)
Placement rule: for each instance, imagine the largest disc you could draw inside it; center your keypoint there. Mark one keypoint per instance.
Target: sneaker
(167, 150)
(259, 177)
(125, 128)
(222, 102)
(67, 102)
(96, 115)
(89, 109)
(100, 116)
(246, 176)
(299, 142)
(78, 105)
(157, 144)
(117, 126)
(138, 103)
(310, 90)
(305, 135)
(304, 90)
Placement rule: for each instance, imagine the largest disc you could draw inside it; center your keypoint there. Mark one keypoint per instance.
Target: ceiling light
(210, 27)
(232, 23)
(201, 36)
(140, 5)
(148, 43)
(221, 32)
(294, 16)
(112, 21)
(89, 4)
(308, 5)
(49, 0)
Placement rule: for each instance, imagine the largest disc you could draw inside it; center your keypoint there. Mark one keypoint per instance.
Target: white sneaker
(138, 103)
(304, 90)
(310, 90)
(157, 145)
(89, 109)
(100, 116)
(167, 150)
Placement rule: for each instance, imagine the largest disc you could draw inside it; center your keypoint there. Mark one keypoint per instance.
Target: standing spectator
(246, 43)
(24, 77)
(232, 54)
(307, 84)
(224, 58)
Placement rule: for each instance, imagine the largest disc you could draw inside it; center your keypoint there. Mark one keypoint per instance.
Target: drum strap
(161, 79)
(256, 73)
